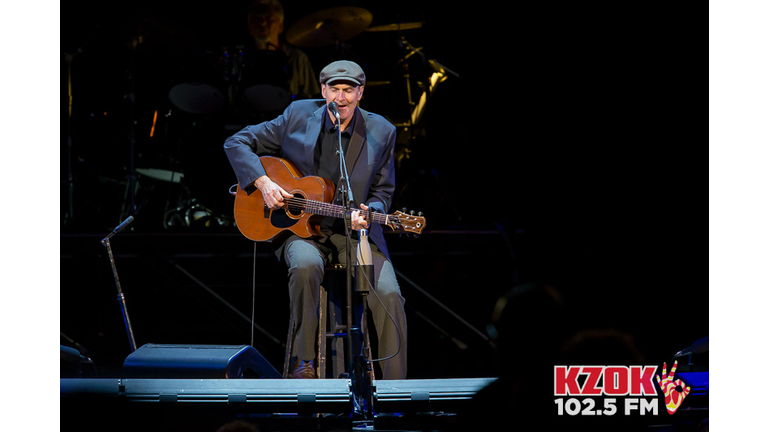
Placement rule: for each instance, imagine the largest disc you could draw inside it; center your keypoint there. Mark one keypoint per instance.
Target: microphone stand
(357, 364)
(120, 296)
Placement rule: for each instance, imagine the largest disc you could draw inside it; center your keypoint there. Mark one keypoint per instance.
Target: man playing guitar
(306, 136)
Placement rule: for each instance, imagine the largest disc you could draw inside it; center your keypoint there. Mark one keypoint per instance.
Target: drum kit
(246, 86)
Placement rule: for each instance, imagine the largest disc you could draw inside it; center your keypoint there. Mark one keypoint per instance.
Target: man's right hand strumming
(273, 194)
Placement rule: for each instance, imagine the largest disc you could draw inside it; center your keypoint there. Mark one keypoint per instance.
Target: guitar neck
(333, 210)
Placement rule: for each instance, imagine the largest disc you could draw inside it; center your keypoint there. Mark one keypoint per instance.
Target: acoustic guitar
(302, 214)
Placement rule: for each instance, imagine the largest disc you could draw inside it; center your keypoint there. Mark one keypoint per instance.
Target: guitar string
(295, 203)
(311, 205)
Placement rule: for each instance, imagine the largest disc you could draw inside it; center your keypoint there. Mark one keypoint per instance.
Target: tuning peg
(405, 210)
(421, 214)
(415, 236)
(413, 212)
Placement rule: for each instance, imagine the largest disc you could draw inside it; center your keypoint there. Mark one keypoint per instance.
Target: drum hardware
(232, 62)
(157, 190)
(193, 215)
(439, 74)
(70, 214)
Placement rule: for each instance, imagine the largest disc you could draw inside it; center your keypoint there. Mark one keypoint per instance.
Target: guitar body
(258, 223)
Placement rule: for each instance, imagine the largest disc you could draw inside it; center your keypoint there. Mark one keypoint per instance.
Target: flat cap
(342, 70)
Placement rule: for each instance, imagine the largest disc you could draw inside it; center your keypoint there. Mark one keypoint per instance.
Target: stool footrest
(330, 317)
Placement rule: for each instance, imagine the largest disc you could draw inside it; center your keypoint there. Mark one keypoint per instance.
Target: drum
(265, 81)
(204, 82)
(197, 98)
(158, 191)
(161, 174)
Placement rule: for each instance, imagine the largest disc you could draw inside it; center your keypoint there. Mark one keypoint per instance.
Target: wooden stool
(330, 315)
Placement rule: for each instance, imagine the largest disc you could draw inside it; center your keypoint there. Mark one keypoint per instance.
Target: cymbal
(376, 83)
(395, 27)
(326, 27)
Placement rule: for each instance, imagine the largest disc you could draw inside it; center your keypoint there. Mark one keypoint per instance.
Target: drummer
(266, 22)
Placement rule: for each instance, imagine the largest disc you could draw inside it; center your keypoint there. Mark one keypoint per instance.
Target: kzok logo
(616, 381)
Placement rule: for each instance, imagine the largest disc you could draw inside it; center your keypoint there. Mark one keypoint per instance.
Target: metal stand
(70, 178)
(120, 296)
(360, 369)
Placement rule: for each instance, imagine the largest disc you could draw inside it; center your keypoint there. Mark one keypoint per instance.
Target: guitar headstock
(409, 223)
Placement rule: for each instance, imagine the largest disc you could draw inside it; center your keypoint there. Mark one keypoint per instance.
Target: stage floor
(270, 404)
(261, 405)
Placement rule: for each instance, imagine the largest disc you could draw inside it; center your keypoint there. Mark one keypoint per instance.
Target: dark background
(567, 151)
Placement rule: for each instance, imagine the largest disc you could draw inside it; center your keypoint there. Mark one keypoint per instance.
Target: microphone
(117, 229)
(334, 107)
(124, 224)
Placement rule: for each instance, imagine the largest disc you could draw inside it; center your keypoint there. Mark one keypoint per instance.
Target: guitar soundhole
(293, 206)
(287, 216)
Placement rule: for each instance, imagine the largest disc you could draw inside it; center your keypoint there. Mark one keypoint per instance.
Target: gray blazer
(293, 136)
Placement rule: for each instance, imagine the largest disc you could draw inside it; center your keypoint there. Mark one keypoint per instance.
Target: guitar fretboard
(333, 210)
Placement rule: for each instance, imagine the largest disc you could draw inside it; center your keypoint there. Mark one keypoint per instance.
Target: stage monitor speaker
(197, 361)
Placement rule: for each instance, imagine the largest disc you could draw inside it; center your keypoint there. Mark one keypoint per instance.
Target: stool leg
(321, 332)
(334, 318)
(289, 346)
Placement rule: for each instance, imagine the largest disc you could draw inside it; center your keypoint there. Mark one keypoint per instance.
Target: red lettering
(641, 380)
(565, 380)
(616, 380)
(593, 376)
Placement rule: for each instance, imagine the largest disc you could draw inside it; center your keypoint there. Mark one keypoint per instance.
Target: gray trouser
(306, 260)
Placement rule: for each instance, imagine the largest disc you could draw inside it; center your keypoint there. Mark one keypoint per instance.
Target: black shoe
(304, 369)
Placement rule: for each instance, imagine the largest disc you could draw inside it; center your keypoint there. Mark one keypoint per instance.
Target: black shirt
(327, 164)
